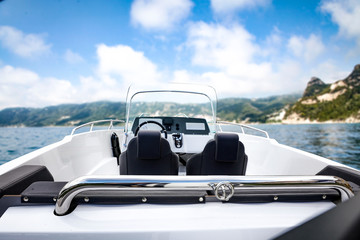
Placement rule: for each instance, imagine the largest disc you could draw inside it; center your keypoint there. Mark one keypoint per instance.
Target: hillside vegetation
(61, 115)
(339, 101)
(253, 110)
(231, 109)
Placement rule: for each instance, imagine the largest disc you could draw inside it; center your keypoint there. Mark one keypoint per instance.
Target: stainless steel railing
(242, 126)
(224, 187)
(92, 124)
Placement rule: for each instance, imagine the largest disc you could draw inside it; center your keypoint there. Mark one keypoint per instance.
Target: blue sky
(54, 52)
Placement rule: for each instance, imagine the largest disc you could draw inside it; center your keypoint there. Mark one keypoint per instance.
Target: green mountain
(230, 109)
(314, 86)
(253, 110)
(61, 115)
(339, 101)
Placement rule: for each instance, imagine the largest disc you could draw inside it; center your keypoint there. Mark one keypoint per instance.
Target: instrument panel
(193, 126)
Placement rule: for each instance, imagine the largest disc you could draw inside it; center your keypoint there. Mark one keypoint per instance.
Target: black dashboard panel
(177, 124)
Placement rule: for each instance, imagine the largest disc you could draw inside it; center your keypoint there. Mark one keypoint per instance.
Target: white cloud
(232, 60)
(229, 49)
(230, 6)
(96, 89)
(287, 78)
(329, 71)
(221, 47)
(273, 43)
(308, 49)
(22, 87)
(126, 64)
(24, 45)
(182, 76)
(159, 14)
(72, 57)
(51, 91)
(11, 75)
(118, 67)
(237, 64)
(228, 85)
(346, 14)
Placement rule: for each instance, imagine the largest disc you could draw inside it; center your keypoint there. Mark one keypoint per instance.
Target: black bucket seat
(223, 155)
(148, 154)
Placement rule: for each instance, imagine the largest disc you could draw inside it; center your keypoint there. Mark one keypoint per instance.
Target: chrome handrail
(242, 126)
(111, 121)
(171, 186)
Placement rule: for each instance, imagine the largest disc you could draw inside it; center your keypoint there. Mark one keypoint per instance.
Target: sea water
(339, 142)
(15, 142)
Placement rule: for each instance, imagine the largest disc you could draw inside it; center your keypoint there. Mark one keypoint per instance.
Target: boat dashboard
(179, 131)
(173, 125)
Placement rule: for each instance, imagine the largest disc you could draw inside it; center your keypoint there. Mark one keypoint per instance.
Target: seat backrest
(148, 154)
(223, 155)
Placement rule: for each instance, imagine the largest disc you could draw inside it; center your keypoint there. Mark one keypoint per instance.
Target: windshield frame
(203, 90)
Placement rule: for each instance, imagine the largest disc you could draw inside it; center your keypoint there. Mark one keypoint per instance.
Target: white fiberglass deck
(157, 221)
(90, 154)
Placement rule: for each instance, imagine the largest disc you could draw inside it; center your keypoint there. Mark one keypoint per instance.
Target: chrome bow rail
(91, 124)
(219, 123)
(224, 187)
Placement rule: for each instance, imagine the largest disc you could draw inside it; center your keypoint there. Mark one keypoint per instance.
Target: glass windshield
(170, 103)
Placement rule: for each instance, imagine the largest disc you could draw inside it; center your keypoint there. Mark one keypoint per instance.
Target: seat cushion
(18, 179)
(148, 146)
(223, 155)
(227, 146)
(149, 154)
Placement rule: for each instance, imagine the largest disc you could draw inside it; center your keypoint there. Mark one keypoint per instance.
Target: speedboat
(171, 170)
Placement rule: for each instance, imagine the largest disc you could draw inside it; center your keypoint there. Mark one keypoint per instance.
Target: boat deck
(143, 221)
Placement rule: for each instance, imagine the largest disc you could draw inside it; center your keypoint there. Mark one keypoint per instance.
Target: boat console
(184, 134)
(175, 125)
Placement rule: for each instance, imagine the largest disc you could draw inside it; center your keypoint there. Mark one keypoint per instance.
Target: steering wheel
(163, 130)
